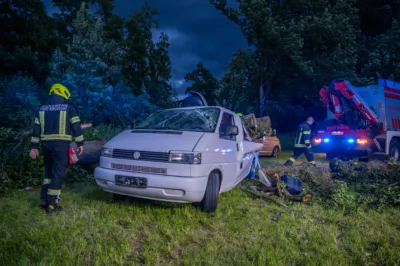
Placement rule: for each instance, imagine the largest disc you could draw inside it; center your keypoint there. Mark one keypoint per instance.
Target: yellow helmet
(239, 114)
(61, 90)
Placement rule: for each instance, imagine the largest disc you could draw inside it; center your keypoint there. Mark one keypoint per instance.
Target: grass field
(245, 230)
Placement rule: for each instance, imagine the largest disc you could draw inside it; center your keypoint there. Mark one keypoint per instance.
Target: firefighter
(303, 143)
(56, 123)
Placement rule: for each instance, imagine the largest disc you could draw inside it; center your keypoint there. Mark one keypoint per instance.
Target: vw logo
(136, 155)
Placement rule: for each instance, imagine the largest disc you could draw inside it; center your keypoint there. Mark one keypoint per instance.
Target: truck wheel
(275, 152)
(394, 150)
(210, 200)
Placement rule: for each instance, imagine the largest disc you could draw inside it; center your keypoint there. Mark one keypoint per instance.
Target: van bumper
(159, 187)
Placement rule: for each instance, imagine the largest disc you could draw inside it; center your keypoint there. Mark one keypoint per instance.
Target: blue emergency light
(326, 140)
(350, 140)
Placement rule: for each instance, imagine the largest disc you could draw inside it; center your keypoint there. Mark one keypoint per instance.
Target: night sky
(197, 32)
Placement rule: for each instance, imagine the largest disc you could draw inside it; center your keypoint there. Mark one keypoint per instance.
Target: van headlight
(107, 151)
(185, 158)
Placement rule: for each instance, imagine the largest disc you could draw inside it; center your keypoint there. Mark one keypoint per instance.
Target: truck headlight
(107, 151)
(186, 158)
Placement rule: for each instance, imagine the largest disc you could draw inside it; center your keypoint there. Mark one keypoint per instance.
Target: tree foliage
(27, 39)
(97, 88)
(146, 65)
(204, 82)
(300, 45)
(240, 77)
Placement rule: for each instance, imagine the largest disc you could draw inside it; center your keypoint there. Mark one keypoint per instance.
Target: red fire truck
(361, 121)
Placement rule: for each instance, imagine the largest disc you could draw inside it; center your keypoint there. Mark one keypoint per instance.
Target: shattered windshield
(198, 119)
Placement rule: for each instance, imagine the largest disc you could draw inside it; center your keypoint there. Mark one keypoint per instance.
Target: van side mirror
(231, 131)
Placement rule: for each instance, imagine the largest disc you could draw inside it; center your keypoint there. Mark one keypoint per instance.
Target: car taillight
(362, 141)
(317, 140)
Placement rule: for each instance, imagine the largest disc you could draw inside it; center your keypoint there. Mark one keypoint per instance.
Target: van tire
(211, 196)
(394, 150)
(275, 152)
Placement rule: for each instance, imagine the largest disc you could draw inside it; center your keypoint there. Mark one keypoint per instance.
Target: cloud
(197, 33)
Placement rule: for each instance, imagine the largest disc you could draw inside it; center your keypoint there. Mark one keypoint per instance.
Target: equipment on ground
(361, 121)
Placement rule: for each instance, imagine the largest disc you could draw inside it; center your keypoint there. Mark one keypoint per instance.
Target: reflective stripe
(299, 145)
(292, 159)
(54, 192)
(75, 119)
(79, 138)
(306, 132)
(35, 140)
(56, 137)
(312, 162)
(37, 121)
(46, 181)
(41, 118)
(306, 141)
(62, 122)
(299, 140)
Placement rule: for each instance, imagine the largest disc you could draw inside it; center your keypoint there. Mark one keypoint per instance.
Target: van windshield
(197, 119)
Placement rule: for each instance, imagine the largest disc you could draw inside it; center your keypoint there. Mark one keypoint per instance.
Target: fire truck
(361, 121)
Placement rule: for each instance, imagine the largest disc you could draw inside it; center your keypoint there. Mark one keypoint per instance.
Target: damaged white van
(187, 155)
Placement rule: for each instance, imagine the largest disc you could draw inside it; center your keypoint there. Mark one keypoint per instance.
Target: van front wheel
(211, 196)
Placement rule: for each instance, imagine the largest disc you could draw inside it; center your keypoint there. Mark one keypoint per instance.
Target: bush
(376, 185)
(19, 99)
(77, 174)
(102, 132)
(17, 169)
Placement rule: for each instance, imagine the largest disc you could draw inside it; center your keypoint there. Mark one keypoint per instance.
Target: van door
(244, 159)
(228, 150)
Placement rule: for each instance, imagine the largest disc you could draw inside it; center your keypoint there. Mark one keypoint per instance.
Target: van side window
(227, 120)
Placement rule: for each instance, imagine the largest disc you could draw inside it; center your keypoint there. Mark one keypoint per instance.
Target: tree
(147, 65)
(91, 69)
(383, 60)
(204, 82)
(300, 44)
(239, 84)
(83, 67)
(28, 38)
(266, 27)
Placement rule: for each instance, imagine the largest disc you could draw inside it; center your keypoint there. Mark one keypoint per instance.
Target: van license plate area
(131, 181)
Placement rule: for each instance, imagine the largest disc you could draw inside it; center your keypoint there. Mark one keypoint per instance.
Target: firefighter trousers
(55, 167)
(298, 152)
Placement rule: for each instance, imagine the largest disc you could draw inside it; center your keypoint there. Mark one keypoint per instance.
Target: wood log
(271, 198)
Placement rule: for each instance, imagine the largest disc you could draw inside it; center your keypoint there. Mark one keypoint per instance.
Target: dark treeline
(117, 73)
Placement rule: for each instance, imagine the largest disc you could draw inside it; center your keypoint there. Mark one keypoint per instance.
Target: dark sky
(197, 32)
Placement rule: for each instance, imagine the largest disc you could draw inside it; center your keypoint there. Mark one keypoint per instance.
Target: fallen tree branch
(19, 144)
(271, 198)
(272, 170)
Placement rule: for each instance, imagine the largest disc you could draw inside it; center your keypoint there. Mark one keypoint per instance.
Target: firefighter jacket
(303, 136)
(56, 121)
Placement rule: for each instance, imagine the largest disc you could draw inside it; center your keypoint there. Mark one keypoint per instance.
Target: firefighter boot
(52, 204)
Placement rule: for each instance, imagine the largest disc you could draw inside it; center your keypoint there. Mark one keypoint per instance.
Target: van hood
(155, 140)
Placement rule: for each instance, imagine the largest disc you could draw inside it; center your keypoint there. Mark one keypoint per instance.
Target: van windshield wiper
(159, 127)
(163, 127)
